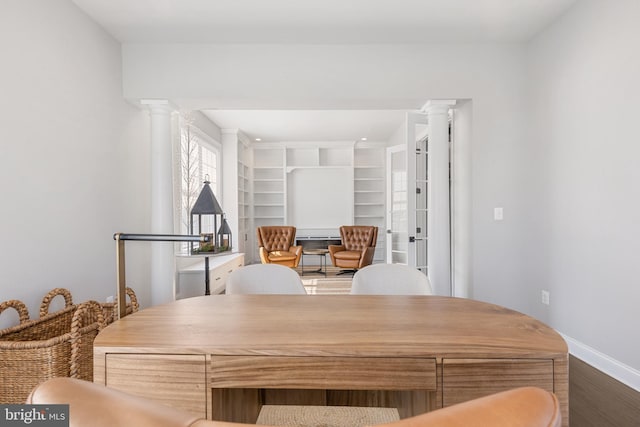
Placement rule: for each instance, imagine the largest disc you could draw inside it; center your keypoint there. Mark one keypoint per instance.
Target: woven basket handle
(134, 304)
(19, 306)
(46, 300)
(86, 314)
(134, 299)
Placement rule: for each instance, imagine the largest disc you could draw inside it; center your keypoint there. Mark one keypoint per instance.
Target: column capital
(158, 106)
(438, 106)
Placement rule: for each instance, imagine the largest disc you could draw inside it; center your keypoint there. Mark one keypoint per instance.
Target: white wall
(381, 76)
(585, 171)
(73, 157)
(317, 76)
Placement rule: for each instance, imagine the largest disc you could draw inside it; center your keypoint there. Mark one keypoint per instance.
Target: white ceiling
(310, 125)
(322, 22)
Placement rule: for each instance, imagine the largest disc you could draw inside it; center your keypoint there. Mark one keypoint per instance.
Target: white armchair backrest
(264, 279)
(390, 279)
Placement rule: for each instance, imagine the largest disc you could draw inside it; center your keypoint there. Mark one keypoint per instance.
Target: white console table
(190, 277)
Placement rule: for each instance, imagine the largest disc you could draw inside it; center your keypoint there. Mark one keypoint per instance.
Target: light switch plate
(498, 214)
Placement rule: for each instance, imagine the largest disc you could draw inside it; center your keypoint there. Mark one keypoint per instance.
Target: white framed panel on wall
(320, 197)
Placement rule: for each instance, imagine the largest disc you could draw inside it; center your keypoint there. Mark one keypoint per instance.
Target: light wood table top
(417, 353)
(348, 325)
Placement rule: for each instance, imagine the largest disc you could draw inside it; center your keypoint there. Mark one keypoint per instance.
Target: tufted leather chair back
(358, 237)
(276, 237)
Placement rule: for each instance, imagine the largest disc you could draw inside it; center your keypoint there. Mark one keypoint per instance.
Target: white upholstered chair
(390, 279)
(264, 279)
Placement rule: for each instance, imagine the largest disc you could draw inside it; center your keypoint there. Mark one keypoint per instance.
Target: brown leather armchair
(99, 406)
(357, 248)
(277, 245)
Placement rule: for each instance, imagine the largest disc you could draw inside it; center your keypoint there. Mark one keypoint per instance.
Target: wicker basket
(58, 344)
(110, 309)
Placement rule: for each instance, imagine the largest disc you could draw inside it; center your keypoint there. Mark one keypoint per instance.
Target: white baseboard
(615, 369)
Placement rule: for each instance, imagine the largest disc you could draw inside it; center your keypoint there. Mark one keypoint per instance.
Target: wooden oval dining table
(224, 356)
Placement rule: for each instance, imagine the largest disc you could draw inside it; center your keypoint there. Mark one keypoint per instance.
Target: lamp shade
(206, 204)
(224, 228)
(224, 235)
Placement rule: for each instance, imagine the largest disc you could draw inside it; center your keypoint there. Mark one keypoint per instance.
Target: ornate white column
(162, 253)
(230, 173)
(438, 220)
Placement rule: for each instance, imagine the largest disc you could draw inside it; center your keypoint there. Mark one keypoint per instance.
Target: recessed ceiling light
(364, 138)
(258, 139)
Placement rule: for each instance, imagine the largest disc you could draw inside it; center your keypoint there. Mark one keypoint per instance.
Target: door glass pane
(421, 224)
(399, 237)
(421, 253)
(399, 210)
(421, 212)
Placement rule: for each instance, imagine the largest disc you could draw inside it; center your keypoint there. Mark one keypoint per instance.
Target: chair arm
(366, 258)
(264, 255)
(99, 406)
(297, 250)
(526, 406)
(332, 251)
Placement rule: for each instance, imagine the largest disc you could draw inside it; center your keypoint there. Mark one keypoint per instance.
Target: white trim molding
(610, 366)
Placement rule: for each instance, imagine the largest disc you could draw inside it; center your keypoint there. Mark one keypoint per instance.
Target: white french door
(415, 183)
(397, 240)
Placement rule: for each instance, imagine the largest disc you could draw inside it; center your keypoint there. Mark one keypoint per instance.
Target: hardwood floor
(596, 399)
(329, 283)
(331, 272)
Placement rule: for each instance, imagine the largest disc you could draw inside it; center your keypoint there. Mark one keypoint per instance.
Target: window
(199, 161)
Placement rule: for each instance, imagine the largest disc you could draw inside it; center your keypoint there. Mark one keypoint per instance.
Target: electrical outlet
(545, 297)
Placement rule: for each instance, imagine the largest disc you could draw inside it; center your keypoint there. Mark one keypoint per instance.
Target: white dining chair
(390, 279)
(264, 279)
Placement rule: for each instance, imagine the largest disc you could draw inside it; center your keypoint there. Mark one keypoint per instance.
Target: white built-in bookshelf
(296, 184)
